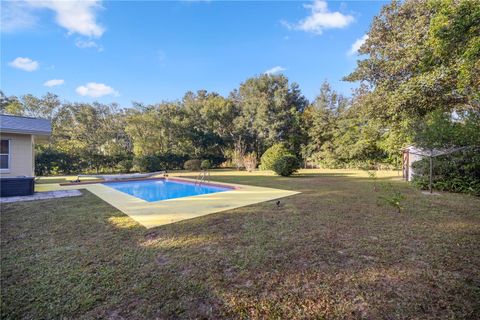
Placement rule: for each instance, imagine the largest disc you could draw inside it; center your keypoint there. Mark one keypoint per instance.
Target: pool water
(156, 190)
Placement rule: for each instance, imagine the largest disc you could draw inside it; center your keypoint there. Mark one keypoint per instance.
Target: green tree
(421, 56)
(326, 109)
(10, 105)
(158, 129)
(454, 36)
(31, 106)
(210, 122)
(271, 112)
(442, 130)
(93, 133)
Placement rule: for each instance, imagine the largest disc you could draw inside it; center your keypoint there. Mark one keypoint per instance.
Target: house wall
(22, 158)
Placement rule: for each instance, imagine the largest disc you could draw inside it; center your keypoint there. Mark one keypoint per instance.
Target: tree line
(419, 69)
(264, 111)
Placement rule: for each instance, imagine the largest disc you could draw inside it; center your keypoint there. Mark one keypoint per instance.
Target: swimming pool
(161, 189)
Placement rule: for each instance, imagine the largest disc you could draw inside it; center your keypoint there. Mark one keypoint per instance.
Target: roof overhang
(29, 132)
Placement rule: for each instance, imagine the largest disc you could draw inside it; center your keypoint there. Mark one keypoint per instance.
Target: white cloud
(320, 18)
(275, 70)
(25, 64)
(16, 15)
(77, 16)
(54, 82)
(96, 90)
(357, 44)
(85, 44)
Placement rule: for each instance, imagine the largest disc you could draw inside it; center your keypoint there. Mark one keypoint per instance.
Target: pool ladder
(204, 176)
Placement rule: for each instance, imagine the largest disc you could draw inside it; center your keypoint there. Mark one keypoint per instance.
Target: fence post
(431, 172)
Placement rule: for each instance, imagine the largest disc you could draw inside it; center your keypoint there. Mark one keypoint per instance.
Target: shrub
(192, 165)
(272, 154)
(286, 165)
(51, 161)
(227, 164)
(456, 172)
(147, 163)
(205, 165)
(215, 159)
(125, 165)
(235, 157)
(158, 162)
(250, 161)
(172, 161)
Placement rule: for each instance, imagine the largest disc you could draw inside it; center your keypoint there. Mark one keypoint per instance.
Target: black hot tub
(16, 186)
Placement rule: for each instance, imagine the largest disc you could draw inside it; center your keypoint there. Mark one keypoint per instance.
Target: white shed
(410, 155)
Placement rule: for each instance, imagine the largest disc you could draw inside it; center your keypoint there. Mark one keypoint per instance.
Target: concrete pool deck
(154, 214)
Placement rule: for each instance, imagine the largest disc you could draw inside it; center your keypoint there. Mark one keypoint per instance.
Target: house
(17, 155)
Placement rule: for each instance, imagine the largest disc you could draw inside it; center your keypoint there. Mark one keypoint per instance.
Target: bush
(272, 154)
(51, 161)
(158, 162)
(125, 165)
(215, 159)
(205, 165)
(286, 165)
(227, 164)
(457, 172)
(147, 163)
(250, 161)
(172, 161)
(237, 158)
(192, 165)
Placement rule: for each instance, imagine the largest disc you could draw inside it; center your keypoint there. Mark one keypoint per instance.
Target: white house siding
(22, 157)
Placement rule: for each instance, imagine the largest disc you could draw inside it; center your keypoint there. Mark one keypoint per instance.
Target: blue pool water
(156, 190)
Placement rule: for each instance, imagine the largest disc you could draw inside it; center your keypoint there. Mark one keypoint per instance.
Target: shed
(410, 154)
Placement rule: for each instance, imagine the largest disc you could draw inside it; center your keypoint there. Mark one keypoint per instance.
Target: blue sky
(121, 51)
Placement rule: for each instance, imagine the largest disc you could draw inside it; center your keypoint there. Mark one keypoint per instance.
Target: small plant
(250, 161)
(192, 165)
(373, 176)
(392, 196)
(286, 165)
(205, 165)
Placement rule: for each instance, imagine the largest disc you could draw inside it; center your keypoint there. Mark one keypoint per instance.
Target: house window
(5, 155)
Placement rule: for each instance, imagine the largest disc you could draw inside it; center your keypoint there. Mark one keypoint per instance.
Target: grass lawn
(333, 251)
